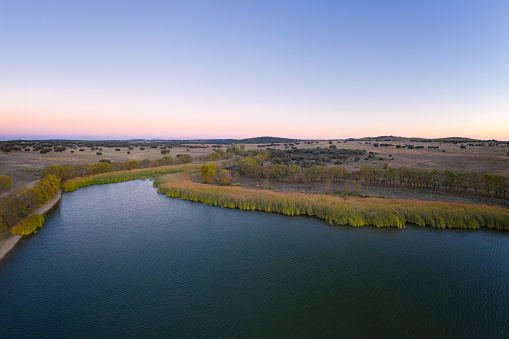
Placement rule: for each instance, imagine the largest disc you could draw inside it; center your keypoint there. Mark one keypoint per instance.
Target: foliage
(106, 178)
(371, 175)
(208, 172)
(28, 225)
(224, 177)
(335, 210)
(307, 157)
(5, 181)
(24, 201)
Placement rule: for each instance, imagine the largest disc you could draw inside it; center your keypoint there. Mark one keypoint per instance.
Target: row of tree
(24, 201)
(66, 172)
(371, 175)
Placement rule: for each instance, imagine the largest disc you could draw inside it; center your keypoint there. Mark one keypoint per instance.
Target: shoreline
(13, 239)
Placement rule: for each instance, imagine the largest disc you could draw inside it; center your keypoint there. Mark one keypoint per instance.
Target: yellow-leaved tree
(208, 172)
(5, 181)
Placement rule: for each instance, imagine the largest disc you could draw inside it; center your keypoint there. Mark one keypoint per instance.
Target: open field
(24, 166)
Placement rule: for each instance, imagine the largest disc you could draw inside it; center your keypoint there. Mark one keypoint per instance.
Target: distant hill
(265, 140)
(446, 140)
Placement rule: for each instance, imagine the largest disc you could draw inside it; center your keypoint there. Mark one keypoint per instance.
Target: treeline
(370, 175)
(353, 211)
(26, 200)
(66, 172)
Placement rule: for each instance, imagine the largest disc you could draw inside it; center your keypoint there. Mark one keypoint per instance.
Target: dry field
(20, 166)
(477, 158)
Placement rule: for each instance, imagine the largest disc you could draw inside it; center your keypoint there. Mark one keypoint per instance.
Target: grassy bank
(335, 210)
(118, 176)
(28, 225)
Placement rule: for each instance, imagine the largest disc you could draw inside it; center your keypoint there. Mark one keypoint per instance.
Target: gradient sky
(236, 69)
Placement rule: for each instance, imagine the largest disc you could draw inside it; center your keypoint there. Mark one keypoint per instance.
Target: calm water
(120, 260)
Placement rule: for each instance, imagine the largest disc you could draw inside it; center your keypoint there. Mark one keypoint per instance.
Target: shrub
(5, 181)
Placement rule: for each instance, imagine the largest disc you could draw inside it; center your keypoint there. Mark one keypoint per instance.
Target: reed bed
(28, 225)
(118, 176)
(356, 212)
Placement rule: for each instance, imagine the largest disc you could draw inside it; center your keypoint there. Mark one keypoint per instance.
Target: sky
(238, 69)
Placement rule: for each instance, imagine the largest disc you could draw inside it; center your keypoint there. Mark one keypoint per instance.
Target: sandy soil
(8, 245)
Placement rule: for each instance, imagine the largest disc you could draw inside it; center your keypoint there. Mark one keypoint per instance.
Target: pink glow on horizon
(110, 127)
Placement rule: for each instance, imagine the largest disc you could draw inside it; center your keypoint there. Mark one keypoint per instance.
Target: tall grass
(335, 210)
(118, 176)
(28, 225)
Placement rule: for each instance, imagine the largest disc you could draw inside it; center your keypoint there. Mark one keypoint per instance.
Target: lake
(120, 260)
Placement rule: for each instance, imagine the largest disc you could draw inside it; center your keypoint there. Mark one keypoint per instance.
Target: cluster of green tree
(212, 173)
(26, 200)
(351, 211)
(371, 175)
(308, 157)
(232, 150)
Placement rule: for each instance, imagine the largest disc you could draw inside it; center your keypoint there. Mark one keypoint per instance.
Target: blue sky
(221, 69)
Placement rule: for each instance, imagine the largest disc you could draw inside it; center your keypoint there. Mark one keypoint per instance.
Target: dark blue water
(120, 260)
